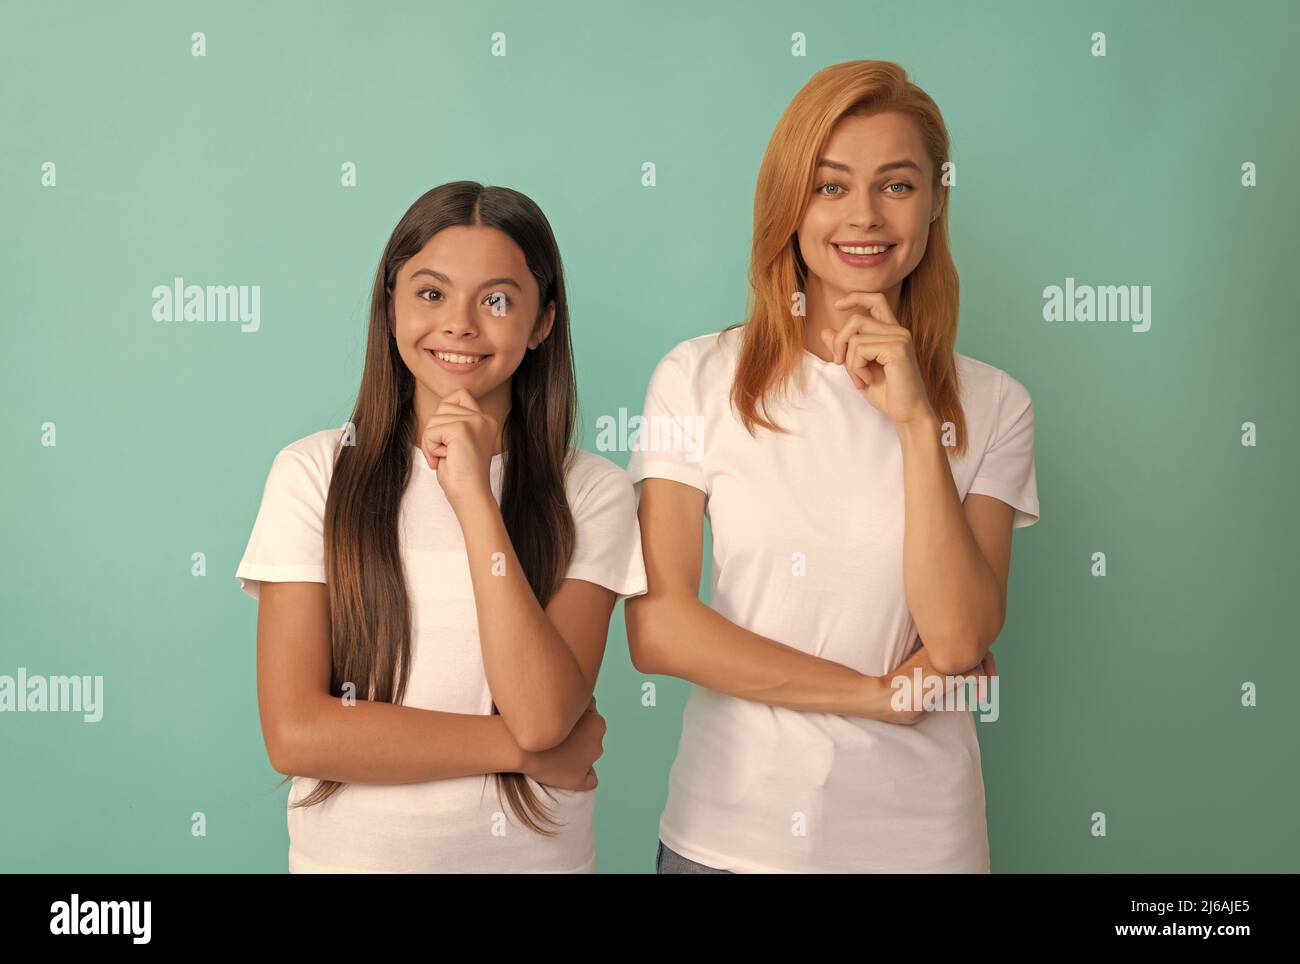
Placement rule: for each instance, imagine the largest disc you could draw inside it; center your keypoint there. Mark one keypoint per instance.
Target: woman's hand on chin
(878, 354)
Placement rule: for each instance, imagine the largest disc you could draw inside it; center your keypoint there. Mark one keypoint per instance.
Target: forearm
(374, 742)
(681, 636)
(951, 590)
(535, 679)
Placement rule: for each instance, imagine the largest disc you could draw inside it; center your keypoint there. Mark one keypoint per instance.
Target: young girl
(862, 480)
(435, 580)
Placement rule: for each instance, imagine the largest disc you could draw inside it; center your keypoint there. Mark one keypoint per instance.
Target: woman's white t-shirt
(452, 825)
(807, 550)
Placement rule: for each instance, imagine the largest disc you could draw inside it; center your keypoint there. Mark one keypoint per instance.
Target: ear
(937, 209)
(543, 327)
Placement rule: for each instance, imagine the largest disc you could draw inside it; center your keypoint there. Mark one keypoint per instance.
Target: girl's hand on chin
(457, 442)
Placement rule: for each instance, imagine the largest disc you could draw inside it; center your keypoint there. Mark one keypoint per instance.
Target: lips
(862, 260)
(445, 362)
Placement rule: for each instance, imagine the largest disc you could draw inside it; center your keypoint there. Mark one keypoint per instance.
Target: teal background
(1119, 694)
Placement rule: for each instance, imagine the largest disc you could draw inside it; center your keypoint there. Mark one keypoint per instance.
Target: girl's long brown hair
(369, 612)
(772, 337)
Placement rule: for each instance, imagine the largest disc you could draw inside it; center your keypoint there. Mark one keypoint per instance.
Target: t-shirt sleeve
(667, 445)
(1006, 470)
(287, 543)
(607, 548)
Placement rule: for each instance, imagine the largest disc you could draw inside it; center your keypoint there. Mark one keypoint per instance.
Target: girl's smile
(456, 361)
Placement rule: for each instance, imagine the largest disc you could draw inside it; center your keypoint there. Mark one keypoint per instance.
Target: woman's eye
(423, 291)
(899, 184)
(821, 189)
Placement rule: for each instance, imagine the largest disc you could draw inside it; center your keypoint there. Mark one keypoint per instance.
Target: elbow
(540, 727)
(280, 750)
(951, 655)
(639, 617)
(957, 651)
(954, 660)
(538, 737)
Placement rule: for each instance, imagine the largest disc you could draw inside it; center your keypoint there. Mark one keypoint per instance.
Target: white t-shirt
(807, 550)
(441, 825)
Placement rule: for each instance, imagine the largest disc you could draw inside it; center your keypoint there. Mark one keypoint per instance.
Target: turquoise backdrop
(1120, 694)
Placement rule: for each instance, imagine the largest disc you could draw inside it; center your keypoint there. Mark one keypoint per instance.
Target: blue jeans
(671, 862)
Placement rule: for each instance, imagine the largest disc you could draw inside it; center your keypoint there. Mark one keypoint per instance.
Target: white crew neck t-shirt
(440, 826)
(807, 550)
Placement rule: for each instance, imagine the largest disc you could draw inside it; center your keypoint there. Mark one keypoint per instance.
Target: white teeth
(877, 249)
(457, 359)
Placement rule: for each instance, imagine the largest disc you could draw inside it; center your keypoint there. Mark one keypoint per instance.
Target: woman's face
(462, 310)
(862, 195)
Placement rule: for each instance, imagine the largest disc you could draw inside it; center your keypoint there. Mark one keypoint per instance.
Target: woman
(435, 580)
(861, 480)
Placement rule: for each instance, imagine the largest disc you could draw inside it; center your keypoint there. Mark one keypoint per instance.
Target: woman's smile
(863, 256)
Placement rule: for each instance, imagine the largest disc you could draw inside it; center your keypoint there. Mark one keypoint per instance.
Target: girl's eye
(421, 293)
(499, 299)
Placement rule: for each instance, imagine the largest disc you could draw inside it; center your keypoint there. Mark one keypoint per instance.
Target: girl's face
(463, 311)
(873, 185)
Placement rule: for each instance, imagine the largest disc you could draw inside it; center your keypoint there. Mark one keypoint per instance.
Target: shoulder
(310, 459)
(702, 361)
(987, 390)
(598, 489)
(713, 348)
(589, 473)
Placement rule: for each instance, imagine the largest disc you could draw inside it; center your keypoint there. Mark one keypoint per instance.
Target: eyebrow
(891, 166)
(447, 281)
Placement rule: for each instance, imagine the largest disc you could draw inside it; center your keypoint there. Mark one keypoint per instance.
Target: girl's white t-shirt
(454, 825)
(807, 550)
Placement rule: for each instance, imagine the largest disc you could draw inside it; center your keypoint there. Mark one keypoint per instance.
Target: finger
(868, 358)
(857, 363)
(876, 350)
(860, 299)
(443, 428)
(440, 434)
(448, 407)
(463, 398)
(847, 330)
(446, 418)
(858, 383)
(872, 303)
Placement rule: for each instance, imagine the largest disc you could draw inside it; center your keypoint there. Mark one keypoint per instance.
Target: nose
(462, 324)
(865, 215)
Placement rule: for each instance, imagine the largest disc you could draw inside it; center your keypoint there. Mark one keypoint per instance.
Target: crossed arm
(665, 625)
(541, 667)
